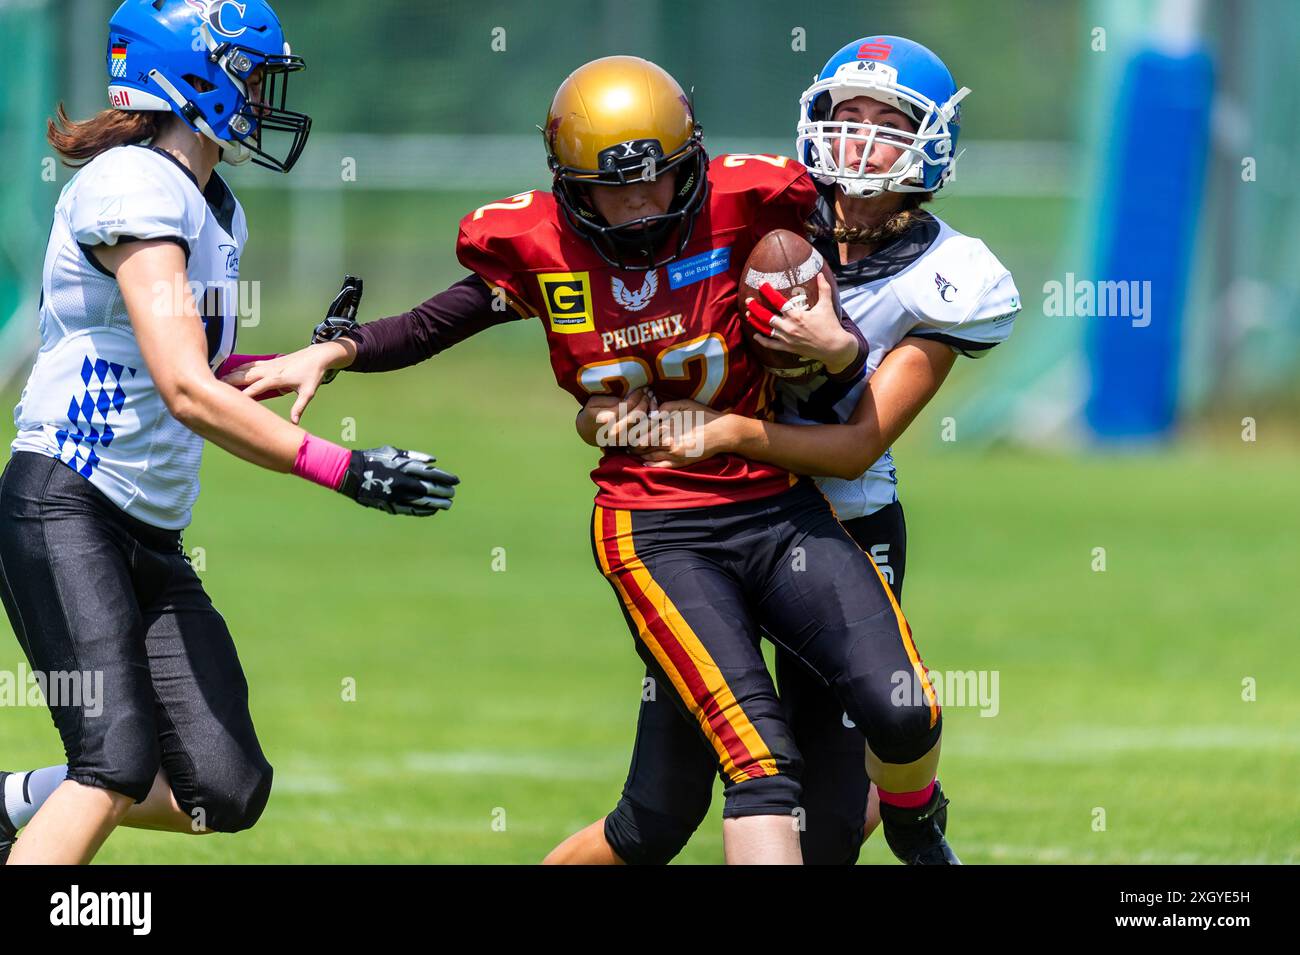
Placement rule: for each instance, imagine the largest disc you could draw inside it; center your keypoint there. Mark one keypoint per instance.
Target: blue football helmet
(203, 59)
(900, 73)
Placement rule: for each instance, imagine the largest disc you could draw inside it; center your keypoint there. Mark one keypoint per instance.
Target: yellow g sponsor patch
(568, 301)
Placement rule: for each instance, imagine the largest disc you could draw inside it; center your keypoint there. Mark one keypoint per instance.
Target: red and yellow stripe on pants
(699, 682)
(904, 633)
(909, 646)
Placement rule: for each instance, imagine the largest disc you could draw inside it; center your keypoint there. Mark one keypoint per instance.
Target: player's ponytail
(887, 231)
(80, 142)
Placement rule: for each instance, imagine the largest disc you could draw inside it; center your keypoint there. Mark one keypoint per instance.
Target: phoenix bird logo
(635, 301)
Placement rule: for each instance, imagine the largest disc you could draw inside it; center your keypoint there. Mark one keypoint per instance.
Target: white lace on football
(806, 271)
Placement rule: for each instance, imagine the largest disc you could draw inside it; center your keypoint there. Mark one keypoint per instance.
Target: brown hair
(80, 142)
(885, 232)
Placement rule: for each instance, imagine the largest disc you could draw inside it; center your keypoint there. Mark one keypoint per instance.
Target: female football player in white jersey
(878, 132)
(137, 315)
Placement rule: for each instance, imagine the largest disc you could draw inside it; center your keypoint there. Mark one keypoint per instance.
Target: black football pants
(92, 591)
(697, 587)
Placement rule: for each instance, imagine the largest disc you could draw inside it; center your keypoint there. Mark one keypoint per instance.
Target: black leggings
(670, 781)
(91, 591)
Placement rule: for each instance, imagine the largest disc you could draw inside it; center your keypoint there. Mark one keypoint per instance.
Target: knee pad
(904, 735)
(642, 836)
(894, 717)
(234, 802)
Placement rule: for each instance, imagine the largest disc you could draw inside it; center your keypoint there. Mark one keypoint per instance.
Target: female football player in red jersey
(636, 293)
(140, 671)
(861, 137)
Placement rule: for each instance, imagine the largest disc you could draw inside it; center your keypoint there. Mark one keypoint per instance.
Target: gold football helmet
(620, 120)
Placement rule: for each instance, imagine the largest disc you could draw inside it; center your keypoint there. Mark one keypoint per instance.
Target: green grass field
(487, 697)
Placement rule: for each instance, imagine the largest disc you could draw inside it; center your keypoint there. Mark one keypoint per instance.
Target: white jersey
(90, 401)
(933, 282)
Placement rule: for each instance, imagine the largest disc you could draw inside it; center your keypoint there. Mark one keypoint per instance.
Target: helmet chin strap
(861, 188)
(236, 154)
(232, 151)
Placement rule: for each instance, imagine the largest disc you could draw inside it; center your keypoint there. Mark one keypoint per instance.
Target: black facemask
(270, 115)
(645, 243)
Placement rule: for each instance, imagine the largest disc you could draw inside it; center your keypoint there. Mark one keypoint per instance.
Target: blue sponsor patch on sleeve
(699, 267)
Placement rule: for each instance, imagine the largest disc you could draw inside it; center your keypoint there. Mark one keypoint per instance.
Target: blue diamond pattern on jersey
(89, 414)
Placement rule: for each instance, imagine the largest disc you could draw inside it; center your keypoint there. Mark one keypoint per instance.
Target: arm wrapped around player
(610, 421)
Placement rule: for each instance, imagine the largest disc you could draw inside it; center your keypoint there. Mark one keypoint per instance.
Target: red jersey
(676, 328)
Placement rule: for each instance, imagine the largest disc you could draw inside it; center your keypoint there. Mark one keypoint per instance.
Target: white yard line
(1077, 742)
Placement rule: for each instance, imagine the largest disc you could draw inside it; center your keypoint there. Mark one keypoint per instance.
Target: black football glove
(339, 318)
(399, 482)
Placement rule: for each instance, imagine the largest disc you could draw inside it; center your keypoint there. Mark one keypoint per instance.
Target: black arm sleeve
(447, 319)
(855, 367)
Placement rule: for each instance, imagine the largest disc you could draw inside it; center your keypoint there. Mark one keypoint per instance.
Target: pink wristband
(322, 462)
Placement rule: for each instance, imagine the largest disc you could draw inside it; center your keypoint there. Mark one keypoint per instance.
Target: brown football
(790, 264)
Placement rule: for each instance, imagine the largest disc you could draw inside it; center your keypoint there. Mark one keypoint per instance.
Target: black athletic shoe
(7, 831)
(916, 836)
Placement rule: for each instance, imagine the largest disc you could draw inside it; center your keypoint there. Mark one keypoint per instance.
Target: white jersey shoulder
(959, 292)
(132, 191)
(90, 401)
(936, 284)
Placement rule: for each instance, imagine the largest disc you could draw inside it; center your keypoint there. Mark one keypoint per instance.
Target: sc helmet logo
(211, 11)
(568, 301)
